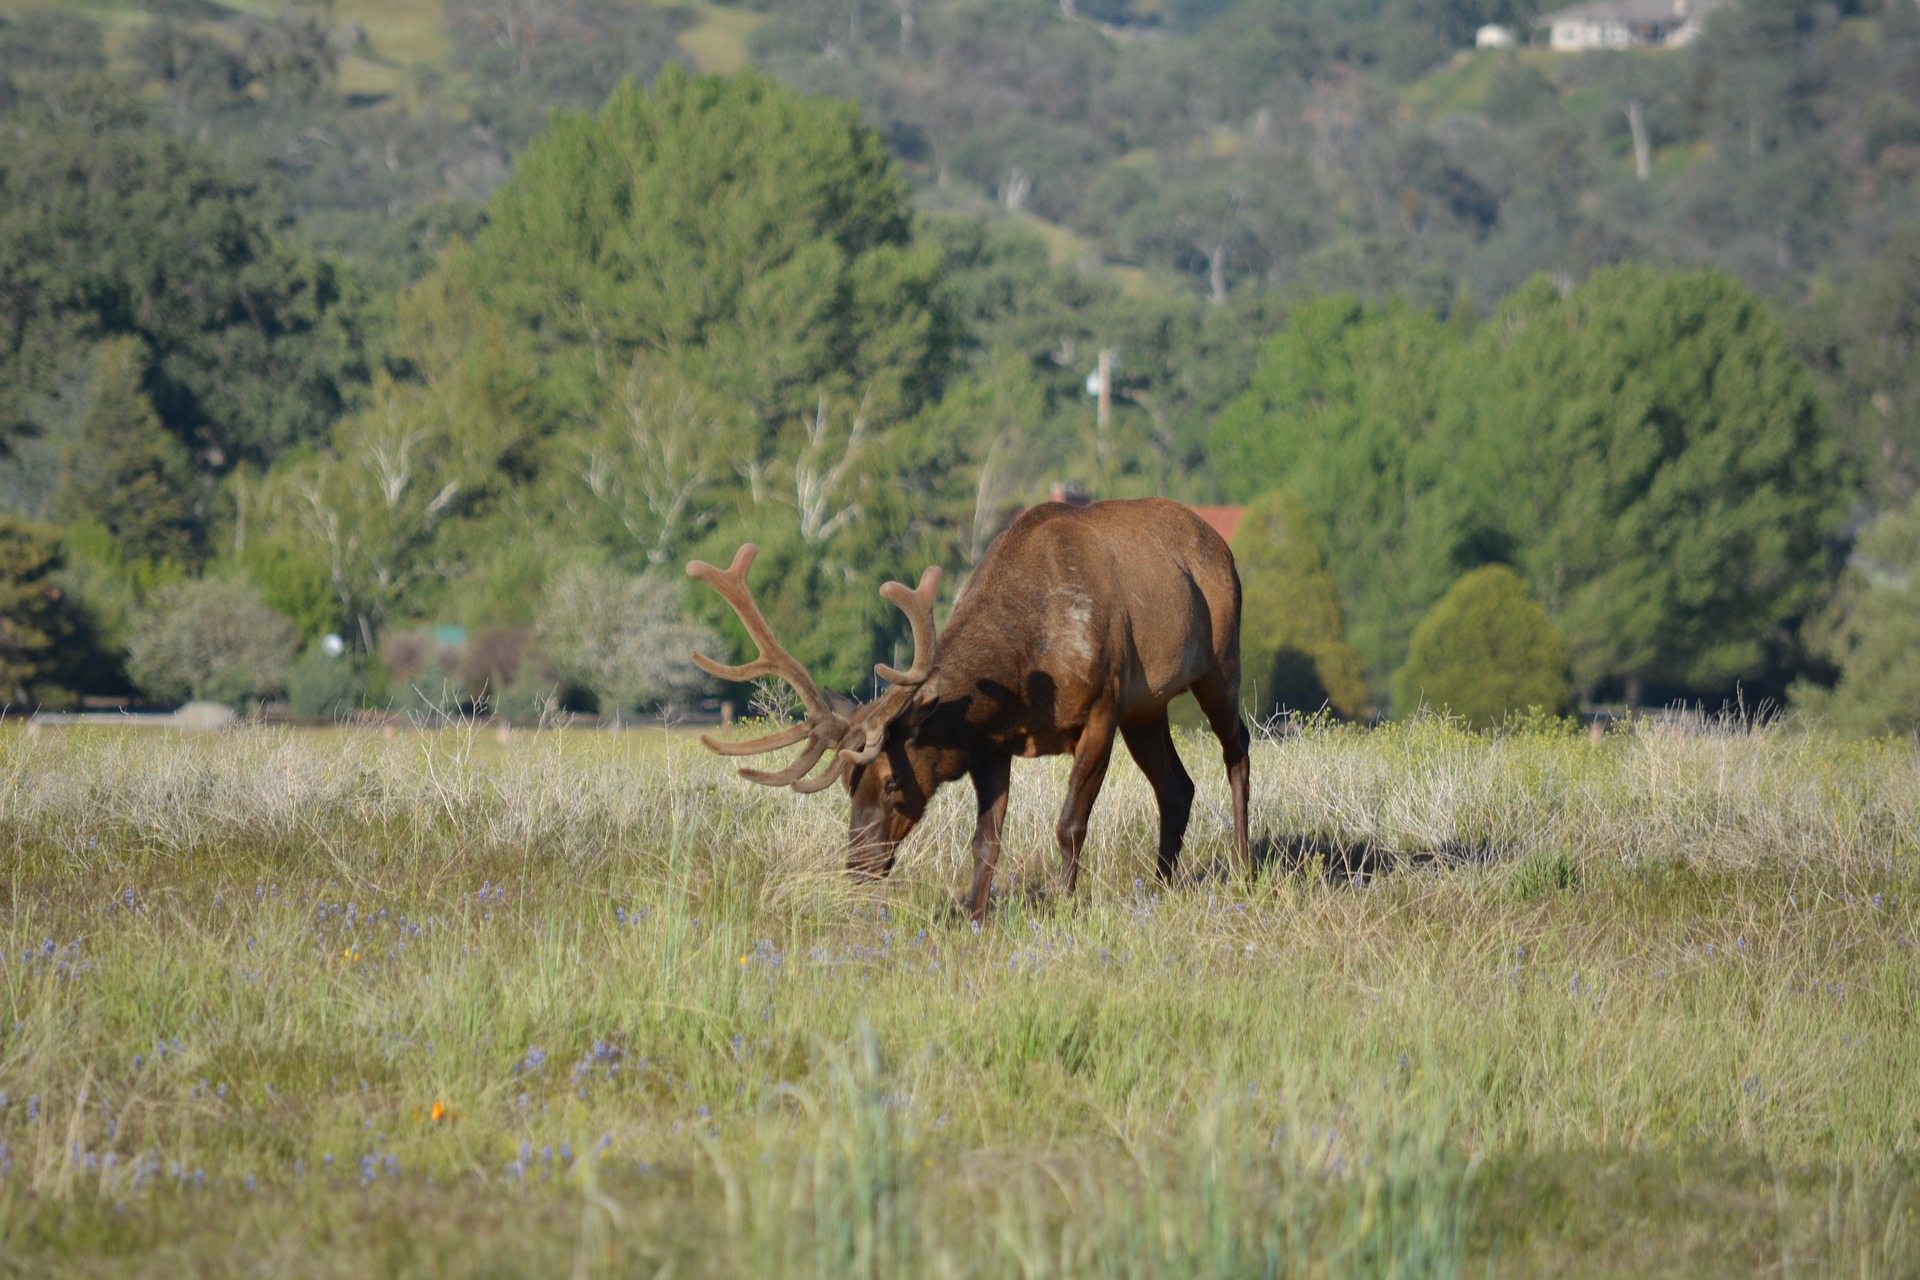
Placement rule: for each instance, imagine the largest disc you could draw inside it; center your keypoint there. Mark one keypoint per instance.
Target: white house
(1495, 36)
(1625, 24)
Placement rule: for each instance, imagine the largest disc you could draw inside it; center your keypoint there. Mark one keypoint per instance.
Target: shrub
(1485, 649)
(622, 636)
(431, 687)
(493, 659)
(1294, 654)
(325, 684)
(1542, 874)
(210, 639)
(531, 697)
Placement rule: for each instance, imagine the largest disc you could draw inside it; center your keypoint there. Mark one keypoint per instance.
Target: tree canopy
(1645, 448)
(34, 622)
(110, 229)
(124, 469)
(699, 316)
(858, 328)
(757, 240)
(1870, 632)
(1654, 457)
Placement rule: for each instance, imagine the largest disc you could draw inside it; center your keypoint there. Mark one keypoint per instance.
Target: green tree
(1654, 457)
(1341, 412)
(524, 58)
(107, 586)
(34, 620)
(435, 473)
(981, 452)
(758, 240)
(1862, 340)
(325, 685)
(372, 508)
(107, 229)
(1294, 654)
(1219, 224)
(826, 611)
(1486, 649)
(1870, 631)
(126, 471)
(658, 461)
(293, 581)
(729, 322)
(1518, 93)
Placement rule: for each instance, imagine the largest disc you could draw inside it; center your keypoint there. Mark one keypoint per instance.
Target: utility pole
(1105, 409)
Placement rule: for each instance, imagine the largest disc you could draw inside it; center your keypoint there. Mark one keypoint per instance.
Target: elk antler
(773, 660)
(918, 606)
(822, 729)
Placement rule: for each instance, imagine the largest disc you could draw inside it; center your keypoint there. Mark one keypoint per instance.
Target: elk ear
(925, 699)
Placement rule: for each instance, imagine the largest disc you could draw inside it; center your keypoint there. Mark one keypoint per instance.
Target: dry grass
(1520, 1001)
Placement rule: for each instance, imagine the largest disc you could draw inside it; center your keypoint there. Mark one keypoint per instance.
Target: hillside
(1299, 146)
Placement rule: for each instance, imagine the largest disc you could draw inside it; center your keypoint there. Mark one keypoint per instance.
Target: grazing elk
(1080, 622)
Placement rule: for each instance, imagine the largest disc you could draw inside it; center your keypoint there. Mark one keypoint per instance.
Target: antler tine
(825, 780)
(774, 660)
(868, 750)
(918, 606)
(794, 772)
(757, 746)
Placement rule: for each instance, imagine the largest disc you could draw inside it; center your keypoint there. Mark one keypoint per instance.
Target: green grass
(718, 41)
(1524, 1005)
(1461, 85)
(1067, 248)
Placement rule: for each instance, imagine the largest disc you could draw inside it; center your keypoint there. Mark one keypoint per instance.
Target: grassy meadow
(332, 1003)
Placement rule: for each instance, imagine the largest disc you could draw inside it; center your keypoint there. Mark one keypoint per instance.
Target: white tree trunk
(1642, 146)
(819, 478)
(1014, 193)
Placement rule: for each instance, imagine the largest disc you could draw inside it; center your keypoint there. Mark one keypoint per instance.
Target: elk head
(888, 780)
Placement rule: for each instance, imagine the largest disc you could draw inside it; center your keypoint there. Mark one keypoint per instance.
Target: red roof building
(1223, 519)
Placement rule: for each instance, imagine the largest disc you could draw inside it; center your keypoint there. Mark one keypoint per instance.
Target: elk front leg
(992, 779)
(1090, 757)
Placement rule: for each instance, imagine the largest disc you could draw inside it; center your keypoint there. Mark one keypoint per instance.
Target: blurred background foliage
(401, 317)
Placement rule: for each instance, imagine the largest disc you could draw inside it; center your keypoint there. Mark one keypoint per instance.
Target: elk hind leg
(1219, 700)
(1090, 757)
(1151, 745)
